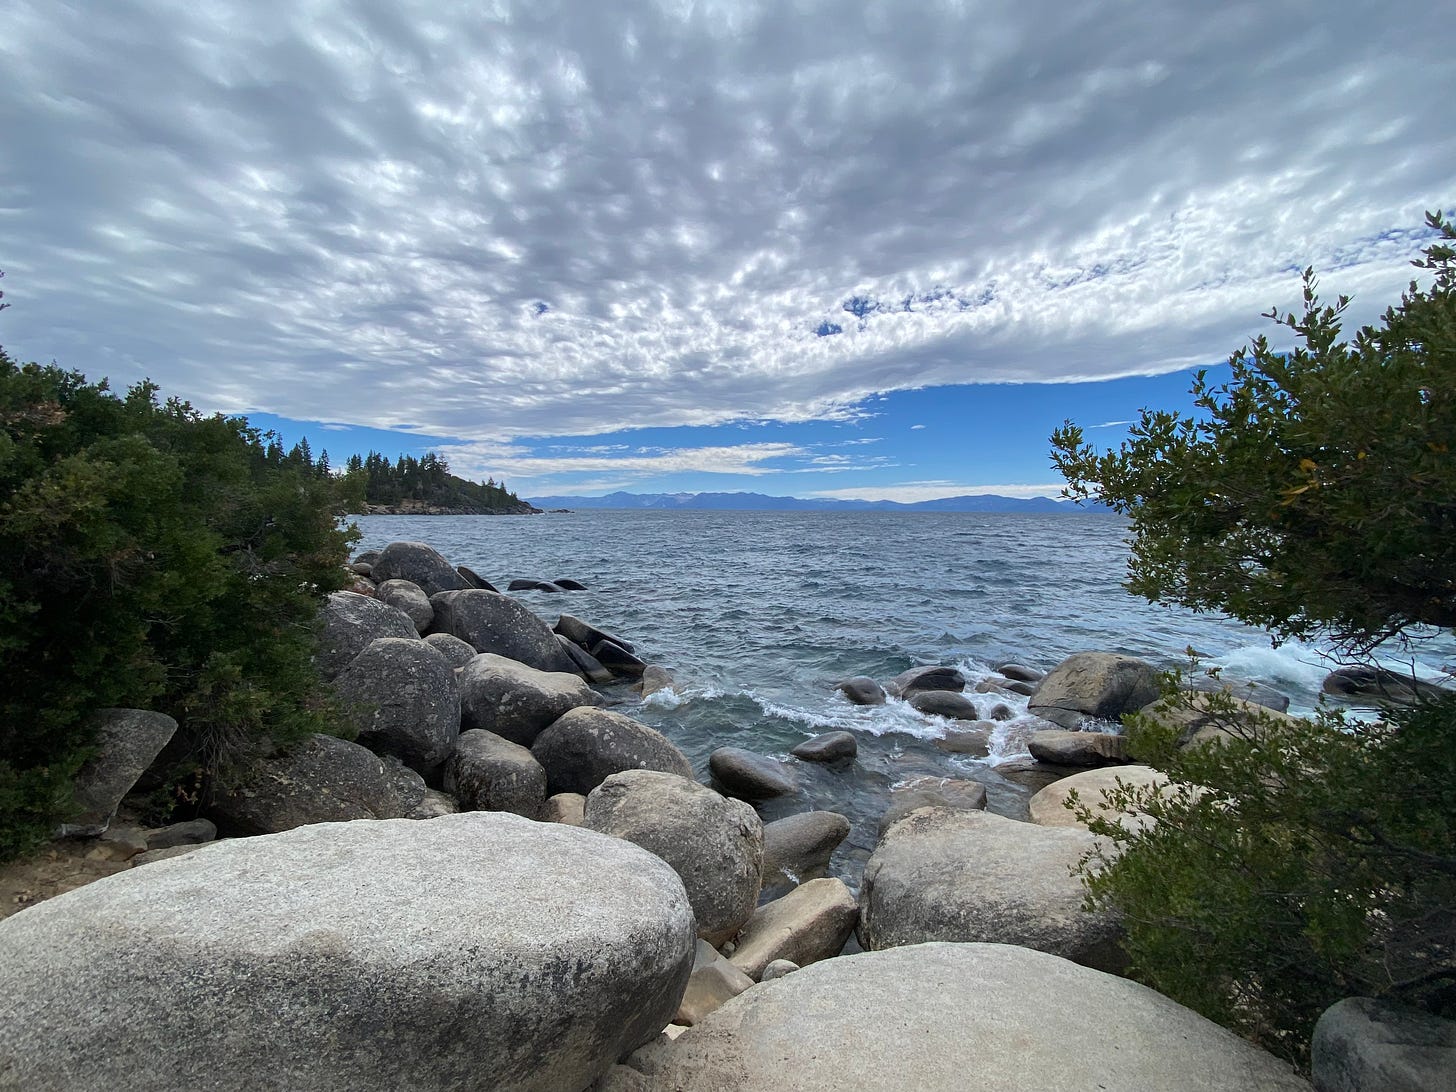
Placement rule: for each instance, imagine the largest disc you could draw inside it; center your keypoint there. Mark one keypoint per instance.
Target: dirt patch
(60, 867)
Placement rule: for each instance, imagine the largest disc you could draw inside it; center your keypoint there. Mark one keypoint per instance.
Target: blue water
(758, 614)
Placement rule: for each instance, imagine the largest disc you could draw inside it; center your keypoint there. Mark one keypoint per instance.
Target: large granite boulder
(402, 697)
(1362, 1044)
(1104, 685)
(1048, 806)
(585, 746)
(798, 848)
(472, 951)
(409, 597)
(926, 678)
(515, 701)
(418, 563)
(488, 773)
(491, 622)
(321, 780)
(810, 923)
(713, 843)
(349, 622)
(1063, 748)
(128, 740)
(751, 775)
(951, 1017)
(947, 874)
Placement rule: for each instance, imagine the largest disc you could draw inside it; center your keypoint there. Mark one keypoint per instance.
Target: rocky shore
(505, 881)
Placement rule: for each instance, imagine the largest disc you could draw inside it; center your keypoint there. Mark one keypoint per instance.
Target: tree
(1294, 862)
(1316, 492)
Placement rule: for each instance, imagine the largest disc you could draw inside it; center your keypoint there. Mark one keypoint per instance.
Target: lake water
(758, 615)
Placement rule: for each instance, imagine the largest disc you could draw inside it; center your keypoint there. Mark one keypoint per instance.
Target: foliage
(1292, 864)
(428, 482)
(149, 556)
(1314, 493)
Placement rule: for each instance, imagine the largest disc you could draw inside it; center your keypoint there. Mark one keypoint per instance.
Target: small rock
(975, 740)
(122, 843)
(567, 584)
(777, 969)
(1255, 692)
(751, 776)
(862, 690)
(944, 703)
(153, 855)
(1001, 711)
(192, 832)
(1021, 673)
(655, 678)
(434, 804)
(828, 747)
(714, 980)
(932, 792)
(926, 678)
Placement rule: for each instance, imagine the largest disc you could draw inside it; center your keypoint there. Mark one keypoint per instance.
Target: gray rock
(944, 703)
(434, 804)
(122, 843)
(1362, 684)
(655, 678)
(974, 740)
(456, 652)
(952, 1017)
(1256, 692)
(810, 923)
(349, 623)
(490, 622)
(713, 981)
(361, 568)
(565, 807)
(587, 665)
(515, 701)
(585, 746)
(713, 843)
(128, 740)
(799, 848)
(192, 832)
(473, 951)
(367, 557)
(926, 678)
(1363, 1045)
(777, 969)
(525, 583)
(828, 747)
(585, 635)
(1025, 689)
(618, 660)
(402, 697)
(946, 874)
(862, 690)
(1063, 748)
(1094, 684)
(749, 775)
(409, 597)
(1001, 711)
(322, 780)
(1200, 719)
(151, 856)
(419, 564)
(932, 792)
(474, 580)
(488, 773)
(1048, 806)
(568, 584)
(1021, 673)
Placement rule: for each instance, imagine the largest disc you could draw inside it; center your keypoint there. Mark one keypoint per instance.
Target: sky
(854, 250)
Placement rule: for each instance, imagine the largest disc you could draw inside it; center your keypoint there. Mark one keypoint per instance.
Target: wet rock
(714, 980)
(350, 622)
(655, 678)
(587, 665)
(1063, 748)
(948, 874)
(584, 635)
(1258, 693)
(1363, 684)
(488, 773)
(1025, 689)
(932, 792)
(1095, 684)
(585, 746)
(567, 584)
(862, 690)
(1362, 1044)
(514, 701)
(618, 660)
(810, 923)
(974, 740)
(1049, 805)
(420, 564)
(128, 741)
(456, 652)
(926, 678)
(799, 848)
(749, 775)
(713, 843)
(474, 580)
(402, 697)
(1001, 711)
(828, 747)
(549, 953)
(494, 623)
(944, 703)
(1021, 673)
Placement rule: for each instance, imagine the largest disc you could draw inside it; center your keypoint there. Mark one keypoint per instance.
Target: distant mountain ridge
(760, 502)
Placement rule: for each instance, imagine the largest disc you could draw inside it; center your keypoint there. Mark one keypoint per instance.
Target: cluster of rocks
(504, 883)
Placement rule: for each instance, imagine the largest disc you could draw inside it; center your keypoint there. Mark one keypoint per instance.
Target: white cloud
(916, 428)
(477, 460)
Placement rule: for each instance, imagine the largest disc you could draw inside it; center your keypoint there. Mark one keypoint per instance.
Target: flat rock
(1048, 805)
(490, 622)
(128, 740)
(190, 833)
(349, 623)
(1063, 748)
(932, 792)
(714, 980)
(420, 564)
(1362, 1044)
(828, 747)
(473, 951)
(810, 923)
(585, 746)
(952, 1017)
(799, 847)
(1104, 685)
(514, 701)
(862, 690)
(750, 775)
(402, 697)
(488, 773)
(947, 874)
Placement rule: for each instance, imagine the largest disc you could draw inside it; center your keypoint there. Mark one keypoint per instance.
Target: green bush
(149, 556)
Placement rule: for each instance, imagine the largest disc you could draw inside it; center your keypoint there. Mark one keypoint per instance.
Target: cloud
(572, 218)
(515, 462)
(916, 428)
(911, 492)
(1111, 424)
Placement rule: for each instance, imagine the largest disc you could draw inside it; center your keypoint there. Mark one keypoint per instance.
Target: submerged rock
(932, 792)
(828, 747)
(862, 690)
(749, 775)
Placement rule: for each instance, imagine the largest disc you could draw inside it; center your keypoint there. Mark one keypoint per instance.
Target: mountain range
(983, 502)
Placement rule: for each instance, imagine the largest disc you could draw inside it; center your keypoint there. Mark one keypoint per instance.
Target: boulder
(474, 580)
(434, 804)
(1104, 685)
(366, 557)
(402, 697)
(1362, 684)
(862, 690)
(944, 703)
(473, 951)
(584, 635)
(585, 746)
(127, 742)
(409, 597)
(151, 856)
(322, 780)
(828, 747)
(655, 678)
(777, 969)
(568, 584)
(618, 660)
(932, 792)
(456, 652)
(951, 1017)
(810, 923)
(419, 564)
(975, 740)
(948, 874)
(490, 622)
(1362, 1044)
(1199, 721)
(1063, 748)
(532, 583)
(798, 848)
(190, 833)
(349, 623)
(565, 807)
(515, 701)
(1016, 686)
(713, 981)
(713, 843)
(926, 678)
(1020, 673)
(587, 665)
(1256, 692)
(1001, 711)
(488, 773)
(1049, 805)
(749, 775)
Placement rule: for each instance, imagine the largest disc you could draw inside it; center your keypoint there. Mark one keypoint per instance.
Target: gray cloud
(502, 220)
